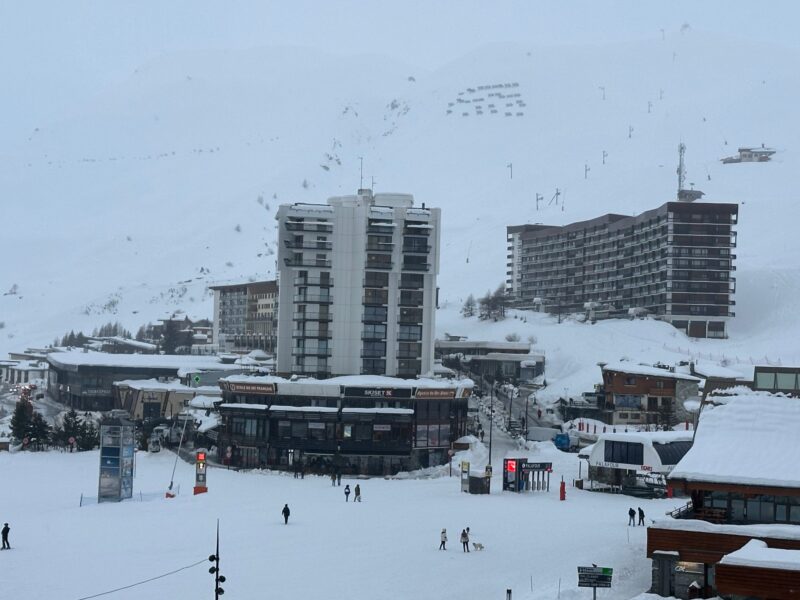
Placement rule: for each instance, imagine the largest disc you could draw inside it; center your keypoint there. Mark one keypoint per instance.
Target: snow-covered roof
(647, 370)
(126, 342)
(757, 554)
(747, 439)
(379, 381)
(204, 402)
(531, 359)
(205, 421)
(652, 437)
(773, 530)
(174, 385)
(141, 361)
(710, 369)
(283, 408)
(458, 344)
(379, 411)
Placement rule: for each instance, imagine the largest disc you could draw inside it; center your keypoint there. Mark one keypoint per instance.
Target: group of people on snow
(632, 517)
(463, 538)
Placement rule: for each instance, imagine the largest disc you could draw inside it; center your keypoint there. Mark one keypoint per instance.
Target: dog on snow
(477, 546)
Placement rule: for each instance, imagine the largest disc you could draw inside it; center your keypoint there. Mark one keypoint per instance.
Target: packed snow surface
(750, 439)
(384, 547)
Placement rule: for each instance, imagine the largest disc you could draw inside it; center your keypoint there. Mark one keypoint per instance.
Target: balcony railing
(314, 281)
(308, 245)
(318, 335)
(380, 247)
(308, 262)
(416, 266)
(300, 226)
(416, 248)
(380, 265)
(316, 351)
(313, 298)
(302, 316)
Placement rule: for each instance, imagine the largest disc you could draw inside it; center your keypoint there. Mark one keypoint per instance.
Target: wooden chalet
(739, 535)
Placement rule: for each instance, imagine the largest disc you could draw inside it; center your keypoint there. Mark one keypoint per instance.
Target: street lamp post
(491, 419)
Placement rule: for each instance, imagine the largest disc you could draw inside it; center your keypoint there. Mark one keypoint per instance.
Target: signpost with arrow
(595, 577)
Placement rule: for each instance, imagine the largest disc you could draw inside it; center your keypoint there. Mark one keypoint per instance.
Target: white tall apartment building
(357, 286)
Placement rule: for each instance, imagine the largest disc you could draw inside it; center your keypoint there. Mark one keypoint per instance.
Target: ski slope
(166, 178)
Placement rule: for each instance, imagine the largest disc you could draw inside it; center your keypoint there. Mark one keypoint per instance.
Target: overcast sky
(53, 55)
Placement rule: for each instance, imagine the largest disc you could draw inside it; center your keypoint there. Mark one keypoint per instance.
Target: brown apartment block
(674, 262)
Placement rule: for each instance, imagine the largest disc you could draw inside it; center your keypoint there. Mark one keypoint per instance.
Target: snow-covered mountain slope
(169, 179)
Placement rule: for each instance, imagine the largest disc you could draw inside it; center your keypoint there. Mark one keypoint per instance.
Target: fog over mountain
(144, 150)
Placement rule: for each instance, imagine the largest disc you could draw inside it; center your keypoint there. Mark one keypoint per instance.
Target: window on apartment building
(630, 380)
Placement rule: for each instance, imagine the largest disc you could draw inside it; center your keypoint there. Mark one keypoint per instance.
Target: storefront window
(299, 430)
(316, 431)
(422, 436)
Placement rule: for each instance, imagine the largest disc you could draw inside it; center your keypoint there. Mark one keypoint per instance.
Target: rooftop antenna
(372, 180)
(681, 167)
(361, 173)
(586, 170)
(510, 170)
(605, 155)
(539, 198)
(602, 88)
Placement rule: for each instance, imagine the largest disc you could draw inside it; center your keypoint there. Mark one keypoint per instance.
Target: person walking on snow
(6, 529)
(631, 517)
(357, 497)
(347, 493)
(641, 516)
(286, 512)
(443, 543)
(465, 540)
(333, 478)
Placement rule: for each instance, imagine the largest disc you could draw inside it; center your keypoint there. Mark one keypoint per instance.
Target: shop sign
(316, 425)
(250, 388)
(381, 428)
(434, 394)
(356, 392)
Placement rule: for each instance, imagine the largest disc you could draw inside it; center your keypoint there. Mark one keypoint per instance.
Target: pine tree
(468, 310)
(141, 334)
(21, 420)
(89, 437)
(39, 430)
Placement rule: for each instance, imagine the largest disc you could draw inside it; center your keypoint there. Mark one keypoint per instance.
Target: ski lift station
(636, 462)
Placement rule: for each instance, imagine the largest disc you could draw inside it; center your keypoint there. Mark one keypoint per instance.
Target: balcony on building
(314, 226)
(376, 280)
(380, 243)
(415, 263)
(379, 261)
(312, 316)
(417, 228)
(300, 261)
(315, 281)
(308, 245)
(313, 298)
(319, 334)
(411, 281)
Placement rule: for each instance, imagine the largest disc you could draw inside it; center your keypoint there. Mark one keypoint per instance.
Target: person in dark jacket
(339, 477)
(631, 517)
(6, 529)
(333, 478)
(357, 497)
(347, 493)
(286, 512)
(465, 540)
(641, 516)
